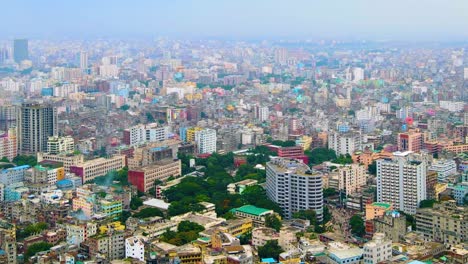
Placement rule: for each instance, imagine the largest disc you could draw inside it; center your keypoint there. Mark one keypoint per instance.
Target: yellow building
(191, 133)
(237, 227)
(304, 142)
(438, 189)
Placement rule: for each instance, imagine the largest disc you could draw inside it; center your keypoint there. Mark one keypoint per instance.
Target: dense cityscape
(172, 150)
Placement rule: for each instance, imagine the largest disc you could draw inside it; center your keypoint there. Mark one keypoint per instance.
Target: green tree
(307, 215)
(186, 226)
(270, 250)
(357, 225)
(148, 212)
(124, 107)
(36, 248)
(328, 192)
(372, 168)
(4, 159)
(124, 216)
(319, 155)
(272, 221)
(136, 202)
(25, 160)
(427, 203)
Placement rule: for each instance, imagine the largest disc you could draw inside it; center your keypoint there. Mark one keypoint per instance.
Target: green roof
(250, 209)
(386, 205)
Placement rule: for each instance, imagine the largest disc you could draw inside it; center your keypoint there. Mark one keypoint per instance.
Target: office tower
(261, 113)
(36, 123)
(410, 141)
(206, 141)
(83, 60)
(377, 250)
(20, 50)
(294, 186)
(402, 181)
(8, 115)
(345, 143)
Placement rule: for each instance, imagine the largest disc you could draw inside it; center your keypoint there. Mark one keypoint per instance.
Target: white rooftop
(158, 203)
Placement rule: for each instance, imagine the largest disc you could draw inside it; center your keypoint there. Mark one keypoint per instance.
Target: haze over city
(234, 132)
(413, 20)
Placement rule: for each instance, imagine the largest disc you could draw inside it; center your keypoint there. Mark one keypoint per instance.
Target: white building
(135, 248)
(402, 181)
(261, 113)
(294, 186)
(84, 60)
(351, 178)
(56, 145)
(141, 134)
(444, 168)
(206, 141)
(13, 175)
(377, 250)
(452, 106)
(358, 74)
(345, 143)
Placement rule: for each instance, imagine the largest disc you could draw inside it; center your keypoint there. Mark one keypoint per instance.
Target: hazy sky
(369, 19)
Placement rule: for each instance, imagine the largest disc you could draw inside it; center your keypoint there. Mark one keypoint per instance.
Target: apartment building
(206, 141)
(445, 223)
(141, 134)
(351, 178)
(56, 145)
(65, 158)
(345, 142)
(294, 186)
(377, 250)
(8, 144)
(401, 181)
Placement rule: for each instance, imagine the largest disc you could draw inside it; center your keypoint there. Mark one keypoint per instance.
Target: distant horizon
(398, 20)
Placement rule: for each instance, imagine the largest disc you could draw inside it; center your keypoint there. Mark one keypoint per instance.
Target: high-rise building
(294, 186)
(261, 113)
(377, 250)
(345, 143)
(20, 50)
(83, 60)
(402, 181)
(351, 178)
(410, 141)
(8, 115)
(36, 123)
(206, 141)
(358, 74)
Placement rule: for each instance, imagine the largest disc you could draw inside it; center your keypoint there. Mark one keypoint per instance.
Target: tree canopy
(148, 212)
(272, 221)
(25, 160)
(319, 155)
(270, 250)
(357, 225)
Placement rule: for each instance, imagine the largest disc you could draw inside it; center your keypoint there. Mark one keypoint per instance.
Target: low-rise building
(91, 169)
(374, 210)
(135, 247)
(378, 249)
(257, 214)
(144, 177)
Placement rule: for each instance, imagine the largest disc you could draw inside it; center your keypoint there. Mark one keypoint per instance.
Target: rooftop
(385, 205)
(252, 210)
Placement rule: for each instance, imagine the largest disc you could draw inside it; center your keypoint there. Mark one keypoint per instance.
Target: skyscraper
(83, 60)
(402, 181)
(20, 50)
(36, 123)
(294, 186)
